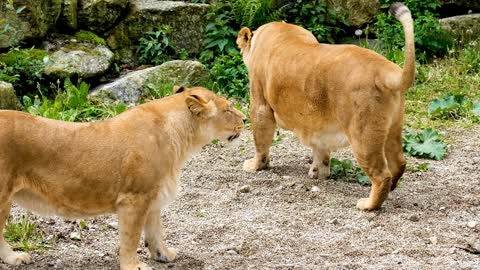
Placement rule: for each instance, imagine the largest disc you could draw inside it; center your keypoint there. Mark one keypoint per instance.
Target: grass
(23, 234)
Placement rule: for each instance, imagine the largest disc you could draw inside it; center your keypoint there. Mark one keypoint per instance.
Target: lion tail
(402, 14)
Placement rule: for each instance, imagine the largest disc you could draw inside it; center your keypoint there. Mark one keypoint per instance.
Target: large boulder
(100, 15)
(32, 22)
(463, 27)
(8, 99)
(137, 84)
(82, 59)
(358, 12)
(187, 21)
(68, 19)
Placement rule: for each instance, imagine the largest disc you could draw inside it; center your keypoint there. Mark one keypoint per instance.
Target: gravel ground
(225, 218)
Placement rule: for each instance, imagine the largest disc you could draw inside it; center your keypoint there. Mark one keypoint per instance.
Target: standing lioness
(126, 165)
(329, 95)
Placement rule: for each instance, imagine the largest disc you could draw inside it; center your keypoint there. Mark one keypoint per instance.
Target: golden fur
(329, 96)
(126, 165)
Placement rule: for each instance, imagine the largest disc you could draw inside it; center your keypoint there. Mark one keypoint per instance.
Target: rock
(33, 22)
(333, 221)
(8, 98)
(245, 189)
(100, 15)
(85, 60)
(187, 21)
(75, 236)
(413, 218)
(358, 12)
(463, 27)
(315, 189)
(232, 252)
(131, 87)
(68, 18)
(472, 224)
(113, 224)
(433, 240)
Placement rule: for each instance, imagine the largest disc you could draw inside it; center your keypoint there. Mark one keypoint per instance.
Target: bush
(318, 17)
(156, 47)
(231, 76)
(430, 39)
(254, 13)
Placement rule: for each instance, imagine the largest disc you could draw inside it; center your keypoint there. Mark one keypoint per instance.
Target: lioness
(126, 165)
(329, 96)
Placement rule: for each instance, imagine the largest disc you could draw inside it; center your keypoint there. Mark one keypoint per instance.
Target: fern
(253, 13)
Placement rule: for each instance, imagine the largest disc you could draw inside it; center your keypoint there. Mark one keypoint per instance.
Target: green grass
(23, 234)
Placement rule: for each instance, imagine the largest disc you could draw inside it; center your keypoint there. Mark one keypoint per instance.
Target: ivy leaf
(426, 143)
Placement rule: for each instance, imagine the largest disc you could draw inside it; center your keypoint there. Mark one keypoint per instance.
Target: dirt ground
(282, 224)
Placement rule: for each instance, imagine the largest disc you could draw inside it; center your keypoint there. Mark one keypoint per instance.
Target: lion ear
(178, 89)
(244, 37)
(198, 106)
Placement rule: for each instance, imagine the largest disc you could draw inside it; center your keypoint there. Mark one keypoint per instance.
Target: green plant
(425, 143)
(254, 13)
(454, 106)
(24, 68)
(430, 39)
(346, 170)
(71, 104)
(278, 138)
(219, 33)
(23, 234)
(319, 17)
(156, 47)
(9, 31)
(422, 167)
(159, 92)
(231, 75)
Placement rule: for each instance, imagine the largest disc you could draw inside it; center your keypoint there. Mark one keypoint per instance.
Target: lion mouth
(233, 137)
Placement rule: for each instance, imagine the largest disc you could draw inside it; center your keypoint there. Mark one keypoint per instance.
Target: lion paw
(253, 165)
(313, 172)
(17, 258)
(364, 204)
(320, 172)
(165, 256)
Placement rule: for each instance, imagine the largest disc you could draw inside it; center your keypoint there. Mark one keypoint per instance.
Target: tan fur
(329, 96)
(126, 165)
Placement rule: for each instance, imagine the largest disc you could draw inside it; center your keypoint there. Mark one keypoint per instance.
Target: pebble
(315, 189)
(232, 252)
(75, 236)
(245, 189)
(413, 218)
(433, 240)
(472, 224)
(113, 224)
(333, 221)
(442, 208)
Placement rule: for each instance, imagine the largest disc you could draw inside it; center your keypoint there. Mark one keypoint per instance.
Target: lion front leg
(6, 253)
(154, 238)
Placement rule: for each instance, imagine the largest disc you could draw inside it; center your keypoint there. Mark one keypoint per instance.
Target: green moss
(22, 55)
(90, 37)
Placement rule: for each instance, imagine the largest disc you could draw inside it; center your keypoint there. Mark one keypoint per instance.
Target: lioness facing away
(126, 165)
(329, 96)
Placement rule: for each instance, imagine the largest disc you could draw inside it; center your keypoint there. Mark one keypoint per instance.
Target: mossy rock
(69, 17)
(32, 23)
(187, 21)
(135, 85)
(8, 98)
(463, 28)
(358, 12)
(84, 60)
(100, 16)
(89, 37)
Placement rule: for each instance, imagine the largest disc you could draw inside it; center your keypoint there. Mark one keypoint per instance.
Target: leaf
(426, 143)
(476, 109)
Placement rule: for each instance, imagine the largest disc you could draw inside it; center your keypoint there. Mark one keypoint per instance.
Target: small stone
(286, 177)
(413, 218)
(443, 208)
(472, 224)
(113, 224)
(333, 221)
(433, 240)
(396, 251)
(75, 236)
(245, 189)
(232, 252)
(315, 189)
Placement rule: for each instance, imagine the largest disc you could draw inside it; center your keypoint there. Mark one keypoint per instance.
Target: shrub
(254, 13)
(319, 17)
(231, 75)
(156, 47)
(454, 106)
(430, 39)
(425, 143)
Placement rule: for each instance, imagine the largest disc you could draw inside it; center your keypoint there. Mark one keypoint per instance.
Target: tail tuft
(398, 10)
